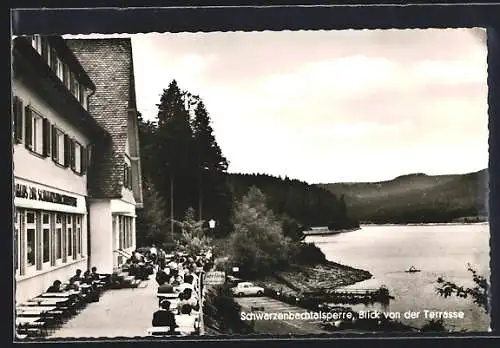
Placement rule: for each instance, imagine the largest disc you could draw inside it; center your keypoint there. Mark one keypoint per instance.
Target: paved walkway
(270, 305)
(119, 313)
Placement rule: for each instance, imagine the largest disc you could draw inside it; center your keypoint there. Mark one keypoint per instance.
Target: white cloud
(330, 106)
(450, 72)
(343, 76)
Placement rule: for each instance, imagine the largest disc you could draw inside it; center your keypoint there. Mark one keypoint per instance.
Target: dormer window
(60, 69)
(36, 42)
(83, 97)
(127, 176)
(76, 91)
(67, 77)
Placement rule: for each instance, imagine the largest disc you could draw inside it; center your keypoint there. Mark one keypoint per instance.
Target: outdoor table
(31, 326)
(169, 296)
(41, 301)
(59, 294)
(30, 311)
(27, 321)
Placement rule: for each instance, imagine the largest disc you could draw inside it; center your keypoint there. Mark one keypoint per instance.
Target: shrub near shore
(261, 251)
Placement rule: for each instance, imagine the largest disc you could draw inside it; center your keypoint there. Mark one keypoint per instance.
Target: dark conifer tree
(214, 196)
(174, 151)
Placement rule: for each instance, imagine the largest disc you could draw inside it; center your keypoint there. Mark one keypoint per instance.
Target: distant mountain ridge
(415, 198)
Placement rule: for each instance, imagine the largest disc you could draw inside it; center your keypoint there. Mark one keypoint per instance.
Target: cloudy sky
(330, 106)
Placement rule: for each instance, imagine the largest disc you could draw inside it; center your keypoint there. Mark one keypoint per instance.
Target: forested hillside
(416, 198)
(304, 204)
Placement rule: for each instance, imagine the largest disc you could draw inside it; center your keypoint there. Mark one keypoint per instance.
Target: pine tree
(174, 148)
(152, 224)
(147, 132)
(209, 154)
(214, 196)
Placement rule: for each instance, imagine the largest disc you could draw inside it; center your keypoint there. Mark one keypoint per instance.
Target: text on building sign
(33, 193)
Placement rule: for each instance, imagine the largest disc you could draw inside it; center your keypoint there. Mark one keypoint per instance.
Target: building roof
(36, 73)
(108, 62)
(60, 45)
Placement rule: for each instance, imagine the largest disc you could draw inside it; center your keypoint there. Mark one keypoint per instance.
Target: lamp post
(200, 193)
(172, 204)
(211, 224)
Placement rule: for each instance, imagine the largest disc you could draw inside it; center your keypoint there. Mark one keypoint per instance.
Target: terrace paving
(119, 313)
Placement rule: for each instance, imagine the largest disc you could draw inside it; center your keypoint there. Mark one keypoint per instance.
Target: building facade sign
(38, 194)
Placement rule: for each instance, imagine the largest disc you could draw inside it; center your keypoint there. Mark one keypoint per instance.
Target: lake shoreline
(425, 224)
(328, 275)
(328, 232)
(389, 250)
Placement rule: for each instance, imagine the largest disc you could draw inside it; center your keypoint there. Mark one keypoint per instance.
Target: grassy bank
(320, 274)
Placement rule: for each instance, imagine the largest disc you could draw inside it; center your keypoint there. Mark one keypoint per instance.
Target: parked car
(247, 289)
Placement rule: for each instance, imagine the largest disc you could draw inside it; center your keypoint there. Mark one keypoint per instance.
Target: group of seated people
(178, 280)
(139, 266)
(87, 284)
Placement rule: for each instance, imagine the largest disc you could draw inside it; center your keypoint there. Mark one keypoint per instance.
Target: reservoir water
(386, 251)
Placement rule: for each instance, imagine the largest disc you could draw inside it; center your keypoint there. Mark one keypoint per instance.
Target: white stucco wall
(42, 173)
(33, 286)
(122, 207)
(101, 239)
(32, 167)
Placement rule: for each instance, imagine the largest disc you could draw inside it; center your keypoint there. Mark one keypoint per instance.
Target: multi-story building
(115, 188)
(67, 154)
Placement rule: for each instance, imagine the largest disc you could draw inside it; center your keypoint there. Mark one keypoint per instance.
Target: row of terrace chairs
(127, 277)
(42, 315)
(187, 324)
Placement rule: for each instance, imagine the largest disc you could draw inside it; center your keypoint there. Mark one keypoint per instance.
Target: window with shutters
(67, 151)
(46, 144)
(72, 159)
(83, 159)
(18, 111)
(77, 155)
(57, 145)
(34, 130)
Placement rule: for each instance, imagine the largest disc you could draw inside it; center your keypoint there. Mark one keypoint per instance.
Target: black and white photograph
(250, 183)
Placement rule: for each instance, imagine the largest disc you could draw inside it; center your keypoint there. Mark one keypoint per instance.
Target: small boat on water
(412, 269)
